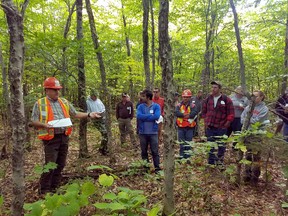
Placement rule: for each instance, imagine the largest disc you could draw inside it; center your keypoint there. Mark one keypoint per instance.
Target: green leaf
(116, 206)
(102, 205)
(246, 162)
(123, 195)
(110, 196)
(105, 180)
(241, 146)
(35, 208)
(88, 188)
(99, 167)
(285, 171)
(284, 205)
(1, 201)
(269, 135)
(154, 211)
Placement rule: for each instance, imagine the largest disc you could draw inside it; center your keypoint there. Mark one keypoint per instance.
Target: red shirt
(219, 115)
(159, 101)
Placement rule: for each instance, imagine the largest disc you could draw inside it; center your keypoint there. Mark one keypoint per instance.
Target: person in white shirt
(94, 104)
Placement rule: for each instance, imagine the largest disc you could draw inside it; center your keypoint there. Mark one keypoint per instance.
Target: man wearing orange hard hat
(186, 113)
(51, 117)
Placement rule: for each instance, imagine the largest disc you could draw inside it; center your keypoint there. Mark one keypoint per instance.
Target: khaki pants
(125, 128)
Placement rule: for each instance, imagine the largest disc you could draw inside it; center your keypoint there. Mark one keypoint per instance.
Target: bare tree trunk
(106, 94)
(83, 152)
(152, 44)
(15, 72)
(146, 43)
(210, 31)
(284, 81)
(165, 53)
(239, 46)
(127, 40)
(64, 58)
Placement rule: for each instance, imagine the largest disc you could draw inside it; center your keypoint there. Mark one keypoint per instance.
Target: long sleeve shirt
(125, 110)
(220, 114)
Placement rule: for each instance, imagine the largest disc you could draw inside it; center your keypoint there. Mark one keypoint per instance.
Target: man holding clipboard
(51, 117)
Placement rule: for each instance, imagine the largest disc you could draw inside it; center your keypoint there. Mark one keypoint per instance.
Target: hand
(47, 126)
(94, 115)
(186, 115)
(227, 124)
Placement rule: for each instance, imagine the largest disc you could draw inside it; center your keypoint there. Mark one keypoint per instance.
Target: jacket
(147, 117)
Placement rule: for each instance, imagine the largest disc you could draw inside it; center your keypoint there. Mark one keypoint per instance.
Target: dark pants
(185, 136)
(56, 151)
(234, 126)
(152, 140)
(211, 134)
(101, 127)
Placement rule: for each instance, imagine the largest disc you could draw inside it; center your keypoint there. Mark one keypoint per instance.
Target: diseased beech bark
(239, 46)
(83, 149)
(146, 43)
(15, 74)
(165, 53)
(64, 57)
(127, 41)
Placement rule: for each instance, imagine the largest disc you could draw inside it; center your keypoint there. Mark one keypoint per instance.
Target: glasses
(186, 97)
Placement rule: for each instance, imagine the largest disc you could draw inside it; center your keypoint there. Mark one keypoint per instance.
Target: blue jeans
(152, 139)
(185, 134)
(285, 131)
(211, 133)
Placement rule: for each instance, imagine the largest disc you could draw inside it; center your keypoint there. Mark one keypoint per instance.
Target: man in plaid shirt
(218, 113)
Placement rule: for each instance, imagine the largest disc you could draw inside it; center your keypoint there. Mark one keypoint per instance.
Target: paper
(159, 120)
(60, 123)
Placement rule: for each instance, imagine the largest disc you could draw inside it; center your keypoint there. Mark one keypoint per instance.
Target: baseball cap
(176, 94)
(93, 92)
(216, 83)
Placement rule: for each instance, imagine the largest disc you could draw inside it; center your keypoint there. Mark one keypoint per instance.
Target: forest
(116, 46)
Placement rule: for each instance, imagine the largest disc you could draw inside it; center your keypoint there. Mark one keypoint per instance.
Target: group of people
(222, 115)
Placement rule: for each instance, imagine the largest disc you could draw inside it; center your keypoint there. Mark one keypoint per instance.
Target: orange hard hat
(52, 83)
(186, 93)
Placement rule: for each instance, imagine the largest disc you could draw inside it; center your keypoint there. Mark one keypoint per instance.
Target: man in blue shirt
(147, 114)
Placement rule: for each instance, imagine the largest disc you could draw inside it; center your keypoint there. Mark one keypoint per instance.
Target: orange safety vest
(184, 122)
(46, 115)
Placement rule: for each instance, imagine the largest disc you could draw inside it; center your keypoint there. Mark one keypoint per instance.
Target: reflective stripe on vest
(46, 115)
(184, 122)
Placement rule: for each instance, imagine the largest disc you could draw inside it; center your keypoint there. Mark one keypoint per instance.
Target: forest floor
(198, 190)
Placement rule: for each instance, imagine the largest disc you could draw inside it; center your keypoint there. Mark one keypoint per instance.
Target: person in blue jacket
(148, 114)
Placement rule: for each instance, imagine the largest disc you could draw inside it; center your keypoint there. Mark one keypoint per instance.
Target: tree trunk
(6, 112)
(152, 44)
(146, 43)
(83, 152)
(106, 94)
(15, 73)
(64, 58)
(165, 53)
(210, 31)
(127, 40)
(239, 46)
(284, 81)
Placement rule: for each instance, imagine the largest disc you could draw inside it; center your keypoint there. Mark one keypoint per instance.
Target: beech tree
(15, 73)
(165, 53)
